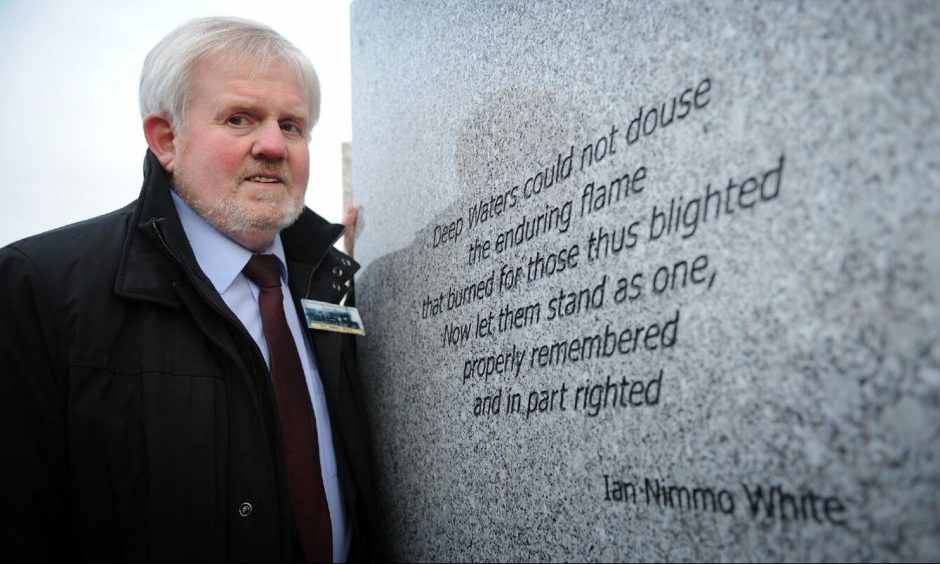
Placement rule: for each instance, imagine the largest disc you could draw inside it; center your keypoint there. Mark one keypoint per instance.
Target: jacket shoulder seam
(42, 287)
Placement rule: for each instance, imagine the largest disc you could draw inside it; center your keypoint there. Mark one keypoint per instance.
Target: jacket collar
(156, 255)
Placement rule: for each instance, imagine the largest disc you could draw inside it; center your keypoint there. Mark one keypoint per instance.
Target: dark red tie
(299, 426)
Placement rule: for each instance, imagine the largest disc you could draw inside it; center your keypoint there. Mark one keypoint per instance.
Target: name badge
(332, 317)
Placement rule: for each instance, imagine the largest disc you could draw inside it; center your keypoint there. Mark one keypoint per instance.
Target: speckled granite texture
(758, 381)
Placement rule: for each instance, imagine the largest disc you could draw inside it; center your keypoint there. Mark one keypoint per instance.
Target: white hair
(166, 81)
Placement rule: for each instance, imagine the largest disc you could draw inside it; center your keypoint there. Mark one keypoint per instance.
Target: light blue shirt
(222, 261)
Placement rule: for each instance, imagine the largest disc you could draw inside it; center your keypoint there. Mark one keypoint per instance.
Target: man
(162, 398)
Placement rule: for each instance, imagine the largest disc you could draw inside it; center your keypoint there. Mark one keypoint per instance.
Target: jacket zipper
(159, 234)
(254, 355)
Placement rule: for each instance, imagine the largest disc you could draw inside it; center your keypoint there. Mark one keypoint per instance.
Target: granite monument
(651, 281)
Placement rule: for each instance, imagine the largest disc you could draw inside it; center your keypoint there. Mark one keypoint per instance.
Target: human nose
(270, 143)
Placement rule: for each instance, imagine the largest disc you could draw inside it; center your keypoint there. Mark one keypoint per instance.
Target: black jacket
(138, 416)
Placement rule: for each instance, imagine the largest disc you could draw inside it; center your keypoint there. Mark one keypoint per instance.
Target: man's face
(242, 158)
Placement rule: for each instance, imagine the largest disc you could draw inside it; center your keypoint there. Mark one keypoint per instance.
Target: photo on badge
(332, 317)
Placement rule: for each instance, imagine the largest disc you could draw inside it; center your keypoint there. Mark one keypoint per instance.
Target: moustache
(267, 169)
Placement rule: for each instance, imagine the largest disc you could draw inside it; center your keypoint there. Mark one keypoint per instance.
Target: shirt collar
(220, 258)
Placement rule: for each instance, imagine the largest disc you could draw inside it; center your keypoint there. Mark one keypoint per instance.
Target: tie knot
(263, 270)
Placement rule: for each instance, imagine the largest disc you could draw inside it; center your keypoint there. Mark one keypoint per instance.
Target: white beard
(232, 215)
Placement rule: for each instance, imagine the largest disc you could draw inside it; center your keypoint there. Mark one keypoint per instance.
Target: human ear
(161, 139)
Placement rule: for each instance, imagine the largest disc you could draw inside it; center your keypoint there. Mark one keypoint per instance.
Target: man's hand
(349, 222)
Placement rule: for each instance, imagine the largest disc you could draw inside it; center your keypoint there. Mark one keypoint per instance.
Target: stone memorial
(651, 281)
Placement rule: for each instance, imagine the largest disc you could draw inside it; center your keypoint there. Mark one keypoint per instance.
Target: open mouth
(264, 179)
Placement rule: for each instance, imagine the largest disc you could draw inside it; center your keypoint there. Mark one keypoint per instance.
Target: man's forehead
(240, 81)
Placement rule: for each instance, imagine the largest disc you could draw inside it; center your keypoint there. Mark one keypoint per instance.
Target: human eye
(292, 128)
(237, 120)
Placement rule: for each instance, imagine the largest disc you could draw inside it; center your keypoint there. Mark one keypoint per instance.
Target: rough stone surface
(807, 349)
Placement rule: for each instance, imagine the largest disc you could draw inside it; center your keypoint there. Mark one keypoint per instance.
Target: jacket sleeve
(33, 431)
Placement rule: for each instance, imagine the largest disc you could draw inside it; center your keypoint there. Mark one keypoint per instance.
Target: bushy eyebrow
(294, 117)
(234, 103)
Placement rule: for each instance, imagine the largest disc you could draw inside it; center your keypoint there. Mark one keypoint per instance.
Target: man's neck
(256, 241)
(218, 255)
